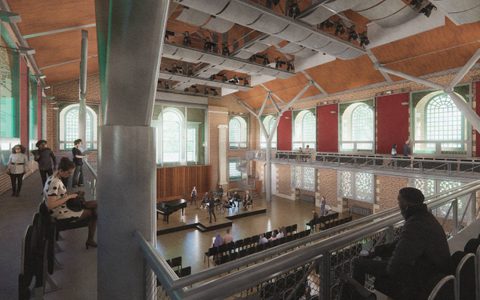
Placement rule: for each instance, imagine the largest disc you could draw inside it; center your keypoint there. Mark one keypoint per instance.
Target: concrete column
(130, 35)
(222, 154)
(82, 109)
(267, 178)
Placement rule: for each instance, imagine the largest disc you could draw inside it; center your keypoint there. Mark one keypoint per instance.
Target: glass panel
(233, 173)
(9, 101)
(362, 123)
(173, 122)
(196, 135)
(364, 187)
(346, 184)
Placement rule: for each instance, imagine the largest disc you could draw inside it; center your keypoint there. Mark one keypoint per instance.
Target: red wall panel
(39, 113)
(23, 102)
(477, 99)
(327, 128)
(392, 122)
(284, 132)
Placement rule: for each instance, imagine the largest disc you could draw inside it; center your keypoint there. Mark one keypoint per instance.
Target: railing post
(455, 216)
(473, 206)
(324, 273)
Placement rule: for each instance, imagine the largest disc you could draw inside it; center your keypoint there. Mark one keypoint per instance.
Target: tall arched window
(269, 123)
(440, 128)
(173, 135)
(237, 132)
(357, 128)
(69, 127)
(304, 130)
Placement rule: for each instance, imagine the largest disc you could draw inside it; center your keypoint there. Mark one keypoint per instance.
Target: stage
(197, 218)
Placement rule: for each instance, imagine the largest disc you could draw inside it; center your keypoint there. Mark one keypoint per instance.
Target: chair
(176, 263)
(184, 272)
(213, 251)
(444, 289)
(471, 246)
(465, 278)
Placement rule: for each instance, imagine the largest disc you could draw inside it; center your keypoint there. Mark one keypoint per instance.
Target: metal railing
(317, 259)
(92, 184)
(468, 168)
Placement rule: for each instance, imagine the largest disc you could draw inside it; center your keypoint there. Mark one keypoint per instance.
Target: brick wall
(327, 187)
(283, 179)
(387, 188)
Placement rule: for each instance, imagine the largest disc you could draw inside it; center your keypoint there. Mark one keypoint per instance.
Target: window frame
(244, 129)
(302, 142)
(62, 143)
(419, 104)
(346, 127)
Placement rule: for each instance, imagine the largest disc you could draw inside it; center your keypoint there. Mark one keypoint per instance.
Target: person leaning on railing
(410, 267)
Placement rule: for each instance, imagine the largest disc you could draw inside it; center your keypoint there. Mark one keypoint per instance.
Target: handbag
(76, 204)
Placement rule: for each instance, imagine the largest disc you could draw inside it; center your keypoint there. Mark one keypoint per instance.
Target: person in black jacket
(411, 266)
(46, 160)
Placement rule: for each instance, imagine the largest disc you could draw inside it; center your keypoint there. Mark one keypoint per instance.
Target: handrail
(314, 245)
(90, 168)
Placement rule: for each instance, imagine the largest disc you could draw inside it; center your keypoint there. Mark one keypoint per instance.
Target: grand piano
(168, 207)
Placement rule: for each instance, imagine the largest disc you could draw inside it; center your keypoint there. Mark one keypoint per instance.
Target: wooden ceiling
(58, 54)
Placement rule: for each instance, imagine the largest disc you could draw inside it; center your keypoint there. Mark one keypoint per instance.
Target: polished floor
(192, 244)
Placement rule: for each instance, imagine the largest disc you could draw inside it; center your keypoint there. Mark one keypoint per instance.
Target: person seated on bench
(56, 197)
(236, 198)
(410, 267)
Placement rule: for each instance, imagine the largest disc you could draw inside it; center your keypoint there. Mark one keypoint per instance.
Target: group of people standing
(211, 200)
(55, 182)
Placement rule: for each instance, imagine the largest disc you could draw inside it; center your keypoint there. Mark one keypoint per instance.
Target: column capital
(222, 126)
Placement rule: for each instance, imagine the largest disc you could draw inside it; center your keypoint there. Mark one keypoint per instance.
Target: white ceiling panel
(193, 16)
(334, 48)
(243, 54)
(218, 25)
(317, 16)
(350, 54)
(366, 4)
(314, 42)
(213, 59)
(290, 48)
(400, 17)
(207, 6)
(269, 24)
(271, 40)
(294, 33)
(239, 13)
(256, 47)
(305, 52)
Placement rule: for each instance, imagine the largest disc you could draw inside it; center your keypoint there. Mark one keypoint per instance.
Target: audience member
(274, 235)
(16, 168)
(227, 238)
(55, 197)
(412, 265)
(281, 233)
(262, 240)
(218, 241)
(46, 160)
(247, 200)
(77, 179)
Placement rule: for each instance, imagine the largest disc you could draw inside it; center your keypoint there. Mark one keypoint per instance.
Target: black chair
(471, 246)
(444, 289)
(465, 277)
(176, 263)
(184, 272)
(213, 251)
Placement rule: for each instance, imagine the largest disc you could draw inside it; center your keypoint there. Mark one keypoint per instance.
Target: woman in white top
(17, 167)
(56, 197)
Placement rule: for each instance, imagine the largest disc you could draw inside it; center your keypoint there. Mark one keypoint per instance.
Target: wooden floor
(191, 244)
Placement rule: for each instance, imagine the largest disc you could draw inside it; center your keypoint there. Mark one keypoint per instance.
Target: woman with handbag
(17, 167)
(56, 198)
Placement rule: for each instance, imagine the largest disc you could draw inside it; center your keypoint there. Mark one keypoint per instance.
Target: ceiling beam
(376, 62)
(56, 31)
(65, 63)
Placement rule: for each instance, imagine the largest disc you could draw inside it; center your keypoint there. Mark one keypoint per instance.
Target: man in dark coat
(47, 162)
(411, 266)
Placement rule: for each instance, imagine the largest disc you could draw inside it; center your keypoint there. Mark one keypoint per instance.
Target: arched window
(172, 135)
(269, 123)
(304, 130)
(237, 132)
(440, 128)
(357, 128)
(69, 127)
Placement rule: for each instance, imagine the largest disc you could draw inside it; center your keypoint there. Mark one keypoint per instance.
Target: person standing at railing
(16, 168)
(411, 266)
(46, 160)
(406, 148)
(78, 157)
(323, 204)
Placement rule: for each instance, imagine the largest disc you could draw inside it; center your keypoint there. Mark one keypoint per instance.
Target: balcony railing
(310, 265)
(468, 168)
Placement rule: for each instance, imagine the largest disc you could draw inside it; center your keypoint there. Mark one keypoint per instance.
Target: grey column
(82, 109)
(131, 38)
